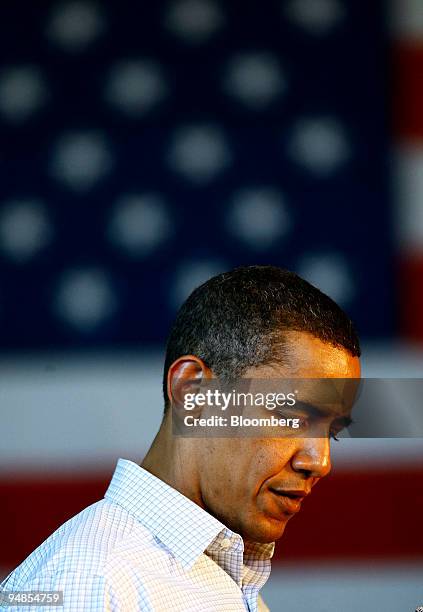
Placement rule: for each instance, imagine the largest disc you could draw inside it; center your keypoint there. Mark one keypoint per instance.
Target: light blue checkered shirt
(147, 547)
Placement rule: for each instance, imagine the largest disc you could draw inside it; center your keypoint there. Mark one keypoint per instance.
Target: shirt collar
(179, 523)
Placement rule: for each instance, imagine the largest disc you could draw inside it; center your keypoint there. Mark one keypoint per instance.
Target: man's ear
(185, 376)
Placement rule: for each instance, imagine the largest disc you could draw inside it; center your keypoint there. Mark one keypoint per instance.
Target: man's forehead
(306, 356)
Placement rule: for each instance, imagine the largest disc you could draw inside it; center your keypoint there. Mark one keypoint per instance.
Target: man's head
(256, 322)
(240, 319)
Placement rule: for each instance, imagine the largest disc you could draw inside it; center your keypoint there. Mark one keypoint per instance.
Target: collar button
(225, 544)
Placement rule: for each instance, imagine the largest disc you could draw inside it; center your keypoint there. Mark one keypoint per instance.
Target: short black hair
(236, 320)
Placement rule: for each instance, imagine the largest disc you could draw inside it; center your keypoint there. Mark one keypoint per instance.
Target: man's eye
(303, 423)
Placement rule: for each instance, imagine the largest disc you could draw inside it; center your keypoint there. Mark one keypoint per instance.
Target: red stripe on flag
(350, 515)
(407, 91)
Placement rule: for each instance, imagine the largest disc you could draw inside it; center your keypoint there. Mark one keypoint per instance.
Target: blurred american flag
(147, 147)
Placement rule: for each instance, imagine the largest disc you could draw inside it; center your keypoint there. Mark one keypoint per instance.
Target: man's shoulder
(84, 544)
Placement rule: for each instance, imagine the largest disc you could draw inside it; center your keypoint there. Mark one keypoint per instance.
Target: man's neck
(169, 459)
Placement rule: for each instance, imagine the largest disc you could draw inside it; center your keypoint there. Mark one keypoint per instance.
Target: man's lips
(289, 500)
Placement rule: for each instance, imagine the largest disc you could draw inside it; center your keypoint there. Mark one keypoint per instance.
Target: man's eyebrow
(315, 411)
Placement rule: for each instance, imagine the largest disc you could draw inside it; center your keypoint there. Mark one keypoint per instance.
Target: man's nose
(313, 457)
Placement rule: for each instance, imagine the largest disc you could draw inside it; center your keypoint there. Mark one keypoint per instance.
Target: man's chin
(265, 531)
